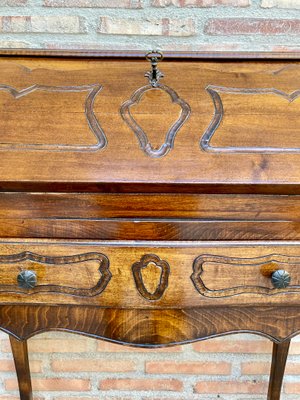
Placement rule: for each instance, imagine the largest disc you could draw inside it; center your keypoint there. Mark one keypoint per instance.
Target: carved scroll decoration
(105, 274)
(138, 130)
(258, 264)
(219, 114)
(91, 118)
(154, 76)
(138, 278)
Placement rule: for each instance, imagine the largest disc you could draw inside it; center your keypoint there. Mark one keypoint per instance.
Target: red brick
(231, 387)
(8, 365)
(280, 3)
(92, 365)
(42, 24)
(286, 49)
(148, 27)
(255, 368)
(94, 3)
(292, 388)
(196, 368)
(233, 346)
(12, 3)
(172, 385)
(159, 398)
(59, 346)
(263, 368)
(295, 348)
(12, 44)
(200, 3)
(7, 397)
(53, 384)
(118, 398)
(76, 398)
(250, 26)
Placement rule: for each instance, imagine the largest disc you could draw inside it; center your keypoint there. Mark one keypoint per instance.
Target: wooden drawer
(147, 275)
(155, 217)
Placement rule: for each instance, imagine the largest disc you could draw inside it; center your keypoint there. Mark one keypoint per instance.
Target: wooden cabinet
(149, 210)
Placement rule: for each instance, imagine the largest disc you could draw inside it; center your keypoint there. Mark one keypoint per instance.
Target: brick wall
(71, 367)
(146, 24)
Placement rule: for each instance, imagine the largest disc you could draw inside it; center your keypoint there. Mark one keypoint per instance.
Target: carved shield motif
(142, 286)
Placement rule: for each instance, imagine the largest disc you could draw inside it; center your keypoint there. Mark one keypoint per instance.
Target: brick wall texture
(72, 367)
(77, 368)
(198, 25)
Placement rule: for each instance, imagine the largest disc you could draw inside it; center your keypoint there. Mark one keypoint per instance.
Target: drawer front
(84, 274)
(149, 275)
(222, 276)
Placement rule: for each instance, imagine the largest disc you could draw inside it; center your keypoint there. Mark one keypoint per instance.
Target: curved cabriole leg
(20, 354)
(279, 357)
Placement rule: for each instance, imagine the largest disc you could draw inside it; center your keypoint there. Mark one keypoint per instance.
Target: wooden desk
(149, 211)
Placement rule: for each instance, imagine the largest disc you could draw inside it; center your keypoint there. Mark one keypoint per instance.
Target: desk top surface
(100, 122)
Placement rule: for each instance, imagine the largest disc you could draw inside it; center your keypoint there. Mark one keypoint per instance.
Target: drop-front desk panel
(149, 202)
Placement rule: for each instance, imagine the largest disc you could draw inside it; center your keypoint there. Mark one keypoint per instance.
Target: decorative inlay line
(92, 121)
(219, 114)
(105, 274)
(257, 262)
(139, 132)
(138, 278)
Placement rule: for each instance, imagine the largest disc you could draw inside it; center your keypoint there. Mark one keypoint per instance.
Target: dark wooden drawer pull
(281, 279)
(27, 279)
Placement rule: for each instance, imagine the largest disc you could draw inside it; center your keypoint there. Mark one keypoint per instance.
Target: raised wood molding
(18, 259)
(137, 269)
(91, 119)
(223, 55)
(215, 91)
(141, 135)
(273, 261)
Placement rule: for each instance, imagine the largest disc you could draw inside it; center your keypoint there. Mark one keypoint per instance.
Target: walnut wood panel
(149, 216)
(186, 164)
(145, 229)
(151, 328)
(219, 276)
(151, 276)
(83, 275)
(14, 205)
(169, 139)
(174, 289)
(84, 53)
(254, 107)
(43, 117)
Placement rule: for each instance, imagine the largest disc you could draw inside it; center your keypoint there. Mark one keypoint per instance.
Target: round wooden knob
(27, 279)
(281, 279)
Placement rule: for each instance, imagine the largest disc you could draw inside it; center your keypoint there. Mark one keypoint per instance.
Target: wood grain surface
(186, 163)
(149, 216)
(151, 328)
(279, 358)
(175, 287)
